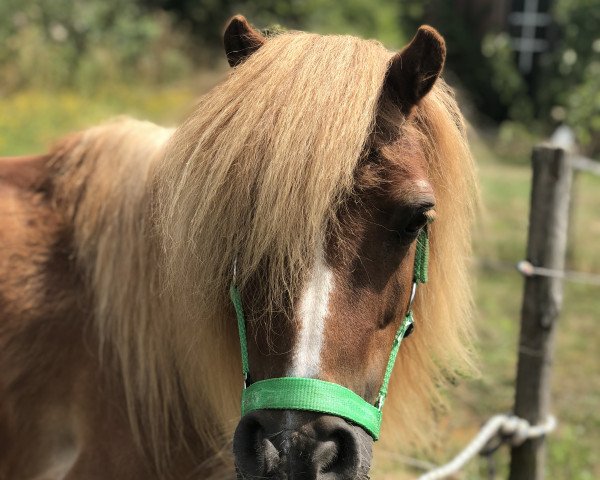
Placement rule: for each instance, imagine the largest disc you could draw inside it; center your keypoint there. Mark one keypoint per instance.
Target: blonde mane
(440, 347)
(255, 175)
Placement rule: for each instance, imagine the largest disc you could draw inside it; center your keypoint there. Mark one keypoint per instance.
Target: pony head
(313, 168)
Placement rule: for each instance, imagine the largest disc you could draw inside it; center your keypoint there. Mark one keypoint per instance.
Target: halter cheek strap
(294, 393)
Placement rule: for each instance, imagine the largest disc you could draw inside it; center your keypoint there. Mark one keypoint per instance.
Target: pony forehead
(399, 169)
(280, 139)
(408, 172)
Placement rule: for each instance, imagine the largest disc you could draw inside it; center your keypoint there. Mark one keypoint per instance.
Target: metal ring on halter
(413, 294)
(234, 271)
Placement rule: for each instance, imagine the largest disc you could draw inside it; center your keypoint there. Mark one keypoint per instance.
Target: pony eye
(415, 224)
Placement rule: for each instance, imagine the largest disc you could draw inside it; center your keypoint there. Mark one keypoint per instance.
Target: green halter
(292, 393)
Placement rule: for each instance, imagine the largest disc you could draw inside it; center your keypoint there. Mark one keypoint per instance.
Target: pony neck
(106, 178)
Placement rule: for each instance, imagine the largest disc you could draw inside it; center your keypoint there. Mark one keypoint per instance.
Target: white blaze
(312, 312)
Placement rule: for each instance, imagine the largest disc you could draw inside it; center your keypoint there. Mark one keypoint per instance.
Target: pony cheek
(377, 361)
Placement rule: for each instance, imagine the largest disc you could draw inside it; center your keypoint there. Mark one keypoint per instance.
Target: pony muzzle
(304, 445)
(304, 428)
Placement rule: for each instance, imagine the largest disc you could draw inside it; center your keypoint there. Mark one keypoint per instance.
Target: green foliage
(572, 77)
(353, 17)
(85, 44)
(206, 19)
(504, 77)
(88, 44)
(583, 108)
(566, 86)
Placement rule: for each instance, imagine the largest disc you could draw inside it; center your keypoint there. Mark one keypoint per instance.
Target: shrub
(571, 84)
(85, 44)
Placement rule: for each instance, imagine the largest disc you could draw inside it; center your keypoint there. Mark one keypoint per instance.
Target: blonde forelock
(269, 153)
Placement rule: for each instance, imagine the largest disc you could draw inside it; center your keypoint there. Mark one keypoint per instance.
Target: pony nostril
(254, 453)
(270, 456)
(338, 454)
(326, 456)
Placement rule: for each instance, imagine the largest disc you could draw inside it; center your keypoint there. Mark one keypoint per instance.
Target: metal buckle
(413, 294)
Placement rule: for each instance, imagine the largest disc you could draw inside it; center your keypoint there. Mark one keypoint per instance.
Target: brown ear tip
(237, 21)
(430, 34)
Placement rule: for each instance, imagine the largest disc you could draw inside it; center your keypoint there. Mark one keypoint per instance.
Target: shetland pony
(312, 167)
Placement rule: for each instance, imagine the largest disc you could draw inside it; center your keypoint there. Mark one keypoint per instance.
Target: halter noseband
(311, 394)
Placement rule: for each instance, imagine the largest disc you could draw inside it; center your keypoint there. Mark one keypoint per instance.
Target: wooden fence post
(542, 301)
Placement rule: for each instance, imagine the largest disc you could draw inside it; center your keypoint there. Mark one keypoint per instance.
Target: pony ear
(241, 40)
(414, 70)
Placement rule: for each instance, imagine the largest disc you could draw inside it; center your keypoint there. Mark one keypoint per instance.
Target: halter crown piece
(311, 394)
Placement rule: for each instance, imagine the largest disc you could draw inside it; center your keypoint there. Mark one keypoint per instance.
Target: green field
(30, 120)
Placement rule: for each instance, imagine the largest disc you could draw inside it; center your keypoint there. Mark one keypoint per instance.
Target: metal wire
(529, 270)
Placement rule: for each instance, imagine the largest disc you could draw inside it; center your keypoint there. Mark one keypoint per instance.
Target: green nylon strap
(236, 299)
(422, 257)
(406, 323)
(292, 393)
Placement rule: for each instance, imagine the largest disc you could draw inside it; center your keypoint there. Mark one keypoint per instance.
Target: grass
(30, 121)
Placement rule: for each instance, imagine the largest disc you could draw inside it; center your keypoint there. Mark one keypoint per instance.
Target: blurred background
(524, 70)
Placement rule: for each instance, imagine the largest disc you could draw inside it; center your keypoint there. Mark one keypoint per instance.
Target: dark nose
(299, 445)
